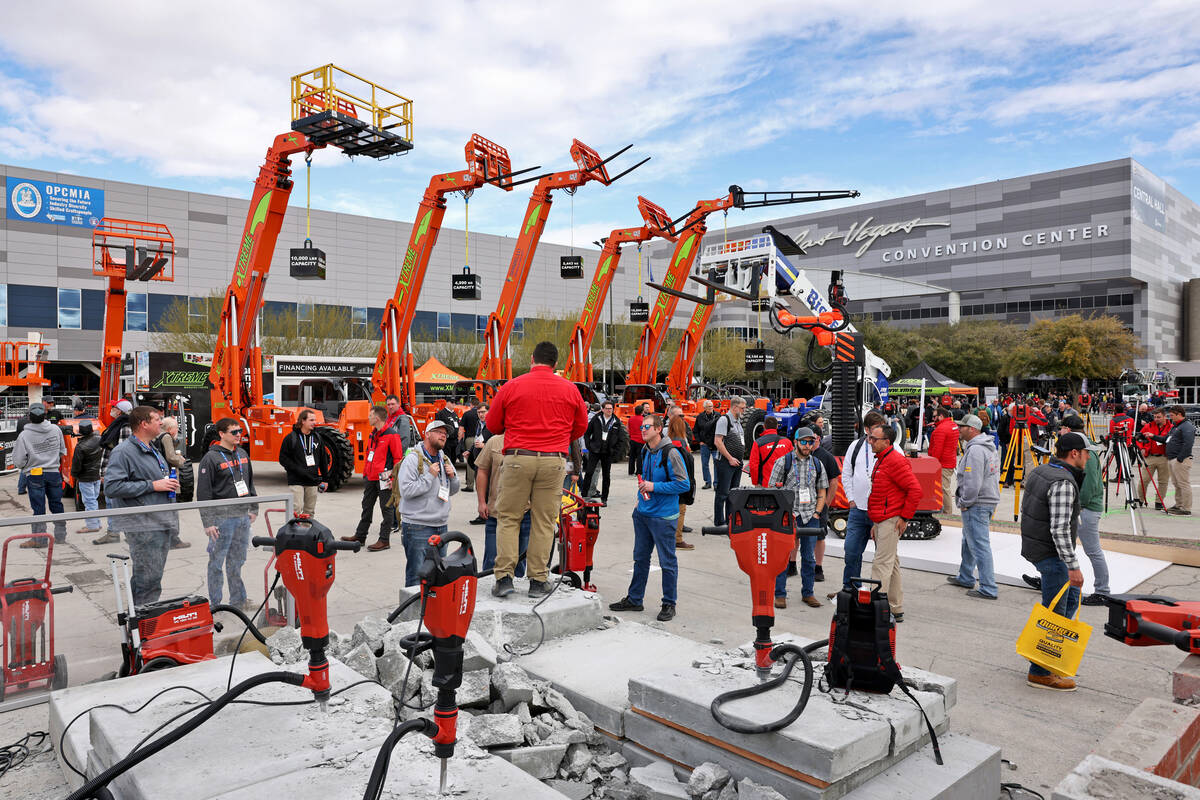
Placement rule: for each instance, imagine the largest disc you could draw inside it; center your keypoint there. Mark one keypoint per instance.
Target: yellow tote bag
(1053, 641)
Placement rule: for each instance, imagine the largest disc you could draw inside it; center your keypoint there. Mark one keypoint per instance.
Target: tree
(1073, 348)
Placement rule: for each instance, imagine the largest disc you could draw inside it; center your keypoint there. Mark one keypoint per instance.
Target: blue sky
(766, 94)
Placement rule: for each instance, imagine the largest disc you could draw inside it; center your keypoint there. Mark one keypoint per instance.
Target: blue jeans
(43, 489)
(1089, 537)
(977, 550)
(1054, 574)
(649, 534)
(23, 483)
(489, 544)
(728, 477)
(147, 559)
(808, 562)
(415, 539)
(226, 555)
(858, 533)
(89, 492)
(706, 455)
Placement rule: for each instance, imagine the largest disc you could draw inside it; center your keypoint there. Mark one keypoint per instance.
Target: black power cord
(13, 755)
(791, 654)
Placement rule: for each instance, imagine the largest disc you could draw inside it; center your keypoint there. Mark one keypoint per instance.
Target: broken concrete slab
(285, 646)
(749, 790)
(269, 741)
(361, 659)
(575, 790)
(513, 684)
(1096, 778)
(592, 669)
(831, 741)
(511, 620)
(370, 631)
(393, 667)
(706, 778)
(494, 730)
(657, 781)
(471, 775)
(539, 760)
(971, 769)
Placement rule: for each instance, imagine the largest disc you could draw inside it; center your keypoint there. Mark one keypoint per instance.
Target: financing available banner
(53, 203)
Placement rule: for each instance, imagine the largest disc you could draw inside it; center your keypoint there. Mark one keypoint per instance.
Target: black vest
(1036, 542)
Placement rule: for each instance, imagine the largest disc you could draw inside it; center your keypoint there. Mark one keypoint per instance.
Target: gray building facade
(1111, 237)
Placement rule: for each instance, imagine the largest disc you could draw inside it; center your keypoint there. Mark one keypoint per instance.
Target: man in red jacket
(767, 449)
(895, 493)
(540, 414)
(1156, 455)
(943, 445)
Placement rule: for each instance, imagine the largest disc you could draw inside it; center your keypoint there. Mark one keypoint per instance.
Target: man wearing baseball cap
(978, 479)
(1091, 506)
(425, 481)
(1049, 528)
(116, 432)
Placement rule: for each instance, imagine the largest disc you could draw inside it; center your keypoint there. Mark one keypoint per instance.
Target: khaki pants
(679, 524)
(533, 482)
(304, 499)
(886, 566)
(947, 491)
(1181, 476)
(1158, 469)
(468, 448)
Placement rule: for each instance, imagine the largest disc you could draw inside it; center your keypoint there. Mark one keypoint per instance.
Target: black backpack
(862, 647)
(734, 443)
(688, 497)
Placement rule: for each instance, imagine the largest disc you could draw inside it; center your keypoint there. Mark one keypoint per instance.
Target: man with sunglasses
(895, 493)
(225, 473)
(802, 473)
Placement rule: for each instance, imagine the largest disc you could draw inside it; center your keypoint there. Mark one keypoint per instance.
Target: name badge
(603, 435)
(803, 495)
(443, 493)
(371, 455)
(242, 488)
(310, 460)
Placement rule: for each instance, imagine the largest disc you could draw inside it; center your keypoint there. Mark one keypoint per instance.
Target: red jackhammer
(761, 533)
(448, 587)
(1144, 620)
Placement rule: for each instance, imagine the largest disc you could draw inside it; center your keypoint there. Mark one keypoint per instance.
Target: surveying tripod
(1013, 468)
(1121, 457)
(1085, 409)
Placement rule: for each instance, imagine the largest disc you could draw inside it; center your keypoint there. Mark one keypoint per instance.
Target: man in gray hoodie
(38, 454)
(426, 480)
(978, 493)
(137, 475)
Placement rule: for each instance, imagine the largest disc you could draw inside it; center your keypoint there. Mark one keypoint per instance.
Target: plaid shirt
(1062, 500)
(814, 478)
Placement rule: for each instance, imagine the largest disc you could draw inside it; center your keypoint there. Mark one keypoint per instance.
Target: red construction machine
(496, 363)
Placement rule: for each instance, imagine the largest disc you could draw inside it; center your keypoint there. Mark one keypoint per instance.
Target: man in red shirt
(766, 450)
(943, 445)
(895, 493)
(384, 450)
(635, 438)
(540, 414)
(1156, 454)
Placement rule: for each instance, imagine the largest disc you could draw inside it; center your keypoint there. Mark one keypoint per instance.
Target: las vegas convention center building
(1111, 238)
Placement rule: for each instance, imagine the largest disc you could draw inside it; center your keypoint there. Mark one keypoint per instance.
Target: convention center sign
(53, 203)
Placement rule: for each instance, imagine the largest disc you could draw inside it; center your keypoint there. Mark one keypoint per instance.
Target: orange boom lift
(496, 363)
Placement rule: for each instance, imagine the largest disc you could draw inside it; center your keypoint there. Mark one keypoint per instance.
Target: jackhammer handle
(353, 547)
(714, 530)
(1161, 633)
(263, 541)
(62, 589)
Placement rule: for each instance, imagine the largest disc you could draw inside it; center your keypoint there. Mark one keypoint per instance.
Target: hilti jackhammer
(304, 557)
(1143, 620)
(761, 533)
(448, 586)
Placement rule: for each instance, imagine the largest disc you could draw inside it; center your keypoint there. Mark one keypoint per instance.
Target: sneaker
(819, 574)
(180, 544)
(108, 538)
(604, 504)
(1095, 599)
(469, 489)
(1176, 511)
(686, 529)
(1033, 580)
(980, 595)
(954, 581)
(380, 544)
(667, 613)
(791, 570)
(503, 587)
(681, 545)
(478, 521)
(812, 601)
(781, 602)
(625, 604)
(1053, 682)
(898, 616)
(538, 588)
(706, 486)
(249, 606)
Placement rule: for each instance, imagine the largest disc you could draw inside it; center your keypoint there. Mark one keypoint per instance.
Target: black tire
(752, 425)
(341, 456)
(187, 483)
(59, 681)
(901, 431)
(156, 664)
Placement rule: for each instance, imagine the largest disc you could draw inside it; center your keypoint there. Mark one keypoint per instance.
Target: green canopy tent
(935, 383)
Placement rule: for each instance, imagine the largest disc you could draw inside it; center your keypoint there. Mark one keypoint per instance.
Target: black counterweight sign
(760, 359)
(570, 266)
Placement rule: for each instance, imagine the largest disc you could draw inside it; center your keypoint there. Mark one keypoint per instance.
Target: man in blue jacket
(663, 477)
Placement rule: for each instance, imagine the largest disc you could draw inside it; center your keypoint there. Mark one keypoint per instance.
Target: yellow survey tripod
(1013, 467)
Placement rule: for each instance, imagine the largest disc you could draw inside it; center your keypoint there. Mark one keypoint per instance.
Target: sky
(887, 99)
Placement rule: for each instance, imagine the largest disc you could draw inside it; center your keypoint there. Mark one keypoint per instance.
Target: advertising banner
(53, 203)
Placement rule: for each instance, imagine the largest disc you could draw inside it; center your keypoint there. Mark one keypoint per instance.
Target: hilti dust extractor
(27, 625)
(578, 529)
(1145, 620)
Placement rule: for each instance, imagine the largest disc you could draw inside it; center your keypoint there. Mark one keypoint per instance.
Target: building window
(304, 318)
(358, 322)
(518, 327)
(198, 315)
(70, 305)
(481, 321)
(4, 305)
(135, 311)
(443, 326)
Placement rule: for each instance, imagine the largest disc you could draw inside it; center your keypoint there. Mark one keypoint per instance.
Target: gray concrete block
(592, 669)
(708, 777)
(361, 659)
(539, 760)
(831, 741)
(749, 790)
(250, 742)
(971, 770)
(1096, 778)
(657, 781)
(370, 631)
(513, 684)
(413, 775)
(511, 620)
(494, 730)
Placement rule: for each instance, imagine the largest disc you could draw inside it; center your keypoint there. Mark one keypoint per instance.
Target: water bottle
(173, 475)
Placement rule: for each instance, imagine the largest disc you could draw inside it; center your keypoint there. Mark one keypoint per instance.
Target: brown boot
(1052, 682)
(380, 544)
(354, 539)
(682, 545)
